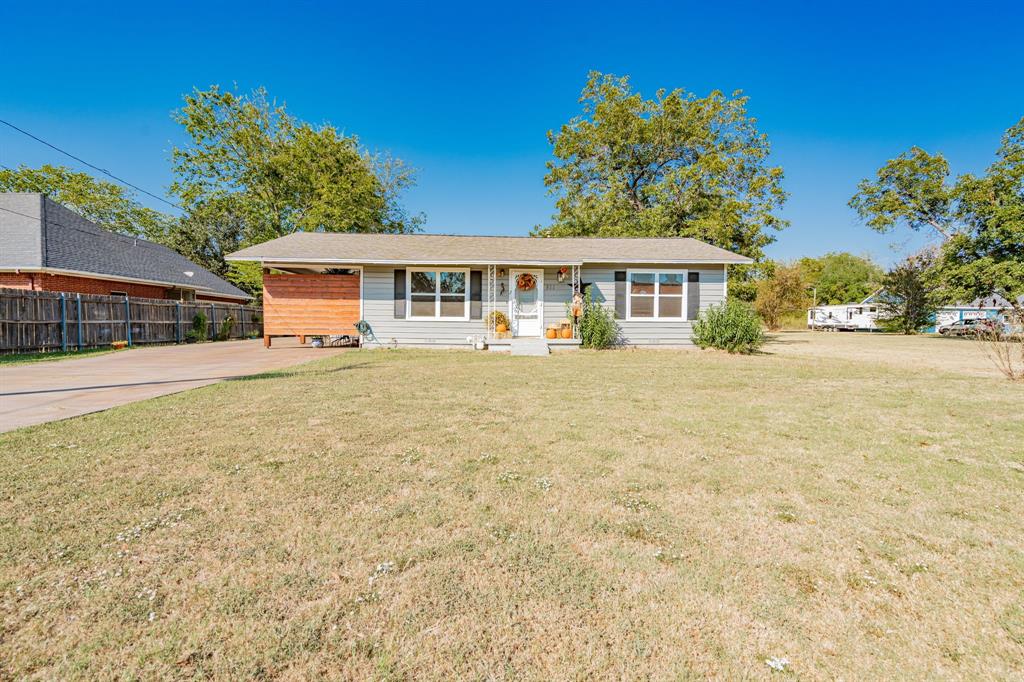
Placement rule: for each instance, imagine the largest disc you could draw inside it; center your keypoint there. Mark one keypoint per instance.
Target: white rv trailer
(863, 316)
(844, 317)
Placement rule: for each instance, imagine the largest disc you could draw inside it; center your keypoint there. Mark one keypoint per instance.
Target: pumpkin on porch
(498, 320)
(552, 332)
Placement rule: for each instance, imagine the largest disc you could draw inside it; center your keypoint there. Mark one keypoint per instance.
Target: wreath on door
(526, 281)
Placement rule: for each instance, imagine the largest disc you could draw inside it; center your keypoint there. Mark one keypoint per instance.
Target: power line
(25, 215)
(83, 161)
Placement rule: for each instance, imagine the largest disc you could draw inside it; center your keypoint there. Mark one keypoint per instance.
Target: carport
(311, 304)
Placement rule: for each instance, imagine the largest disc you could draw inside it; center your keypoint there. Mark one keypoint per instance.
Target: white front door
(526, 304)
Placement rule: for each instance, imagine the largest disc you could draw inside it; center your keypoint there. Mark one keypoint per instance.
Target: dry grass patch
(400, 514)
(921, 352)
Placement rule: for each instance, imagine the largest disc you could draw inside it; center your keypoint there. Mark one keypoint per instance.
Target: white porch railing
(492, 300)
(572, 299)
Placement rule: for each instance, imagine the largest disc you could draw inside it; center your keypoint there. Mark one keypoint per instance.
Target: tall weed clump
(198, 331)
(598, 328)
(730, 326)
(225, 328)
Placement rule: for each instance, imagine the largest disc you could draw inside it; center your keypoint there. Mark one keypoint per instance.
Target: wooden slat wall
(31, 320)
(299, 305)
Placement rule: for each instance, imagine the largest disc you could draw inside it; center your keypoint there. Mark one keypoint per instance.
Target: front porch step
(526, 346)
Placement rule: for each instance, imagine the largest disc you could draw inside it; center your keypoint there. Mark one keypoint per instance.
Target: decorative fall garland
(526, 281)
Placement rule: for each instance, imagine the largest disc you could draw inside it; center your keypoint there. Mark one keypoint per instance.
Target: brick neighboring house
(45, 246)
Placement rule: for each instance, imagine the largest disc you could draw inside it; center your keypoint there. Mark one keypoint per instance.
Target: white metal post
(492, 302)
(575, 290)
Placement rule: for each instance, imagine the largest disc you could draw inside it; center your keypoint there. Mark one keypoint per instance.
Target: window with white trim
(656, 294)
(438, 294)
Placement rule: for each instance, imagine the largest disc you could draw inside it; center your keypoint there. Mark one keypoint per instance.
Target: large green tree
(252, 172)
(110, 206)
(840, 277)
(677, 165)
(909, 302)
(914, 190)
(987, 255)
(978, 220)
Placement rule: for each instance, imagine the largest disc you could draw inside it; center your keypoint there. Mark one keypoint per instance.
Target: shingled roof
(37, 233)
(432, 249)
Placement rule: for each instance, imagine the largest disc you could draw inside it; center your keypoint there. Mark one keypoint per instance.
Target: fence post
(177, 323)
(128, 320)
(79, 299)
(63, 323)
(241, 322)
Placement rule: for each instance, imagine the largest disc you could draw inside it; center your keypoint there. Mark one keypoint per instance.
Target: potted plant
(498, 320)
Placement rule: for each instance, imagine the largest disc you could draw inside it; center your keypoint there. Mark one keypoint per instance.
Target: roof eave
(267, 260)
(121, 278)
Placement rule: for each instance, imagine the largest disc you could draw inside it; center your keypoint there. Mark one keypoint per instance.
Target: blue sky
(466, 92)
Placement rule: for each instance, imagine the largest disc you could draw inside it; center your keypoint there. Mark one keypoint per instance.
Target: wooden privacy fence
(300, 305)
(48, 320)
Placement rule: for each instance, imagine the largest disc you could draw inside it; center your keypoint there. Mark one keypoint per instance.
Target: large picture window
(439, 294)
(656, 294)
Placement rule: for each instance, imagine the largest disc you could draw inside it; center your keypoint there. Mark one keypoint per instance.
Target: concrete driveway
(45, 391)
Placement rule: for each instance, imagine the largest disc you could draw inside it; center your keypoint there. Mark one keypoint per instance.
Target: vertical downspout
(79, 302)
(128, 321)
(63, 323)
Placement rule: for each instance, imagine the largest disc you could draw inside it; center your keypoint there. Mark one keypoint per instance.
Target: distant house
(863, 316)
(45, 246)
(440, 290)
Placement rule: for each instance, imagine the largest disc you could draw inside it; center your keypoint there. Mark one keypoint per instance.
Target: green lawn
(417, 514)
(24, 358)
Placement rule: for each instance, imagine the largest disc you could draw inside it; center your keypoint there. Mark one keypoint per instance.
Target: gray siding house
(438, 290)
